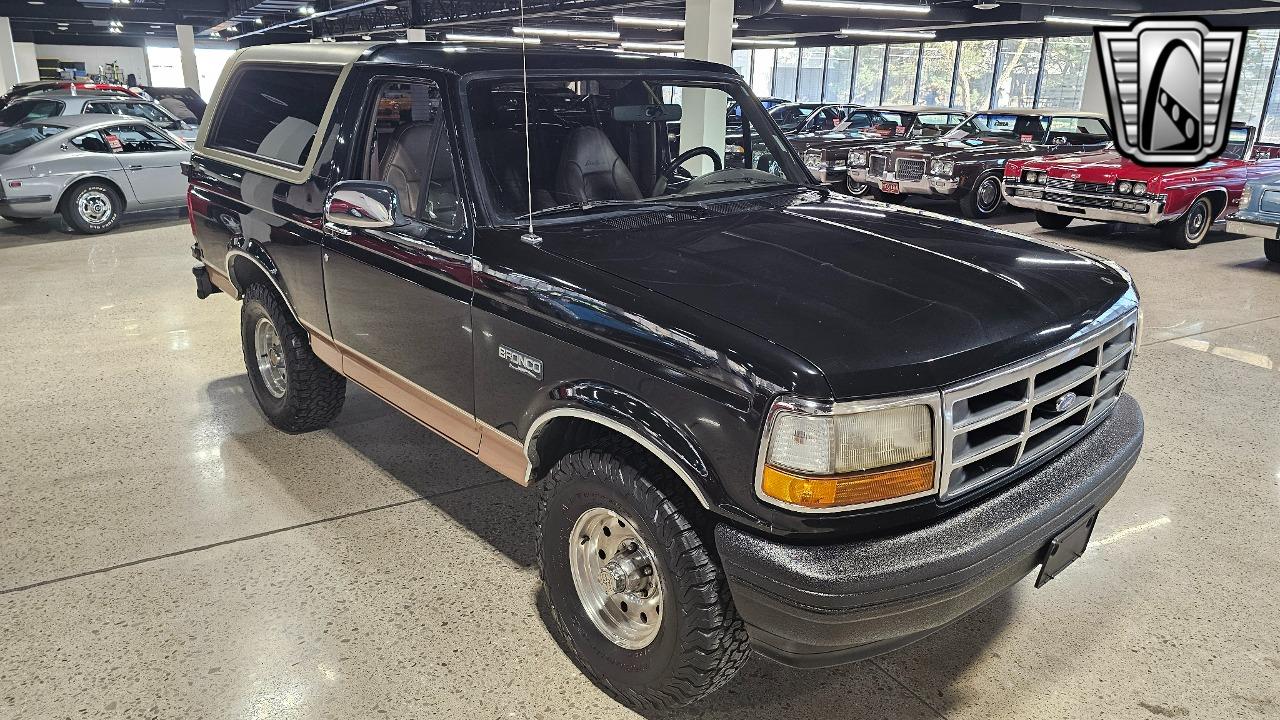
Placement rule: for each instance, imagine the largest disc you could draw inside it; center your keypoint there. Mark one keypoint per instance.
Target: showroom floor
(164, 553)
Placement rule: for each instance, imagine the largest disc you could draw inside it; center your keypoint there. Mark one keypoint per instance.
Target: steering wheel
(665, 174)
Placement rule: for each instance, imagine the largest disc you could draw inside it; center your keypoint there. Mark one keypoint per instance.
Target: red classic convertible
(1183, 202)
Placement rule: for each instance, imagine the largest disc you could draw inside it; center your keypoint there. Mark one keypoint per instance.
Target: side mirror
(363, 204)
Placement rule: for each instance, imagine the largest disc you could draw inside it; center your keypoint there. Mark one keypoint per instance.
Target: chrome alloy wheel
(95, 207)
(989, 195)
(616, 579)
(270, 354)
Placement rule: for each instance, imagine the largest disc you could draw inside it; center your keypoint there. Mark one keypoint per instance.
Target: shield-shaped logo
(1171, 87)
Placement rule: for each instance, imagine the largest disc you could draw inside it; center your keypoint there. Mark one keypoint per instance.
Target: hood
(883, 300)
(1109, 166)
(971, 149)
(837, 141)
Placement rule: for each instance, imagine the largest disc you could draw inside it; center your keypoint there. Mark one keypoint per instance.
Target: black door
(400, 299)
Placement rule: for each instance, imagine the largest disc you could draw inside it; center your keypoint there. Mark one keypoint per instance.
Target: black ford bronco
(759, 416)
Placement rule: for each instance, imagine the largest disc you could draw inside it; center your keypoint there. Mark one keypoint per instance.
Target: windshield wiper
(593, 204)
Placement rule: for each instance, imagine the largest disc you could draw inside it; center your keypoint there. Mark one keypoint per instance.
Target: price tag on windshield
(114, 143)
(1028, 138)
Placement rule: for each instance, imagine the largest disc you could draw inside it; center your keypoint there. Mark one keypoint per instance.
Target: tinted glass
(11, 141)
(410, 150)
(27, 110)
(1024, 128)
(1077, 131)
(146, 111)
(273, 113)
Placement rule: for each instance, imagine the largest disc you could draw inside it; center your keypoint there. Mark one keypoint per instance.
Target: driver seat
(407, 163)
(591, 169)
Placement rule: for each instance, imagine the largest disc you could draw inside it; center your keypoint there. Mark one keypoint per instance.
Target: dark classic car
(759, 415)
(826, 152)
(967, 164)
(1182, 202)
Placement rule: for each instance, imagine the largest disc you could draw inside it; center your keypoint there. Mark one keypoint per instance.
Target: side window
(409, 148)
(137, 139)
(1077, 131)
(98, 108)
(273, 113)
(90, 142)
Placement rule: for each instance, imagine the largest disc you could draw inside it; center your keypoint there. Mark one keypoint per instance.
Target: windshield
(606, 142)
(11, 141)
(147, 111)
(1237, 143)
(1022, 128)
(25, 110)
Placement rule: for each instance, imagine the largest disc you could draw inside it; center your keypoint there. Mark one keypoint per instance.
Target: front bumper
(927, 185)
(821, 605)
(1088, 206)
(1264, 230)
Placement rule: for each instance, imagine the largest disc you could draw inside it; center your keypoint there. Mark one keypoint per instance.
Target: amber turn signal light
(841, 490)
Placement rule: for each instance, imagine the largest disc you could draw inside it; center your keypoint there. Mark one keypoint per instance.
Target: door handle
(135, 167)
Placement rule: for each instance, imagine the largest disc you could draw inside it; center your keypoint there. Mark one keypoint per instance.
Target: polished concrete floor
(164, 553)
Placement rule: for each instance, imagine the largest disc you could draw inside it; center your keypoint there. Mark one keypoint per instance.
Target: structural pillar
(187, 51)
(416, 35)
(708, 35)
(8, 58)
(1094, 98)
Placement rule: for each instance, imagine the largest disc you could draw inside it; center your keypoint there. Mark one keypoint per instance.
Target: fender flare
(1192, 198)
(621, 412)
(89, 176)
(254, 254)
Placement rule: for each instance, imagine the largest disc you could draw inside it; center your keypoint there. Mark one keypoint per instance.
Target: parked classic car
(1259, 214)
(58, 103)
(759, 414)
(88, 168)
(182, 102)
(826, 153)
(42, 86)
(1183, 203)
(967, 163)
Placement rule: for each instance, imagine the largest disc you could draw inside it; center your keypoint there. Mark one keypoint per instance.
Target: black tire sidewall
(1200, 204)
(622, 668)
(863, 190)
(252, 311)
(970, 204)
(1271, 250)
(71, 205)
(1052, 221)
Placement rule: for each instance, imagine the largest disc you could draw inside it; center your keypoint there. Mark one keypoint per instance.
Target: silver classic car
(89, 169)
(64, 102)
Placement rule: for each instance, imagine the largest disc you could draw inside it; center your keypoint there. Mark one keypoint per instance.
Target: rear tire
(295, 389)
(1271, 248)
(1053, 221)
(984, 200)
(1188, 231)
(857, 189)
(92, 207)
(697, 641)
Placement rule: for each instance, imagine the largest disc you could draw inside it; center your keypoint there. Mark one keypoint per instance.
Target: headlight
(1125, 187)
(1043, 177)
(813, 160)
(942, 168)
(820, 460)
(1033, 177)
(857, 158)
(1139, 188)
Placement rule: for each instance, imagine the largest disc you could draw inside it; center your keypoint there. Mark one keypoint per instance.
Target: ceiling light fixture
(390, 7)
(503, 39)
(904, 34)
(257, 21)
(986, 5)
(654, 47)
(859, 6)
(567, 33)
(652, 22)
(1066, 20)
(764, 42)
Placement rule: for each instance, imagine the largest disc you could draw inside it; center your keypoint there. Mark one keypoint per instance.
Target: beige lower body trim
(493, 447)
(222, 282)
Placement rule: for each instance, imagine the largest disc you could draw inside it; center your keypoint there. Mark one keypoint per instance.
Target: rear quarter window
(273, 113)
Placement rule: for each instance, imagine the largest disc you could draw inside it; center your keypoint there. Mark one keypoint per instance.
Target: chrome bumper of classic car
(1147, 210)
(925, 185)
(1253, 229)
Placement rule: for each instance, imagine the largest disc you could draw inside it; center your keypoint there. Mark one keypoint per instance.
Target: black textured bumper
(819, 605)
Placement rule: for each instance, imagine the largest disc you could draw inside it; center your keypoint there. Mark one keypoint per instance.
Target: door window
(91, 142)
(137, 139)
(409, 147)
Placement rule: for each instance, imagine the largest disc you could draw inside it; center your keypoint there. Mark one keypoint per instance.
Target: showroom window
(937, 66)
(742, 63)
(762, 73)
(273, 114)
(901, 63)
(810, 85)
(1255, 73)
(868, 75)
(785, 70)
(974, 74)
(1017, 72)
(1062, 72)
(839, 80)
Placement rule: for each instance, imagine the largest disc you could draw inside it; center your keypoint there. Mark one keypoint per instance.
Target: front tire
(93, 207)
(1188, 231)
(637, 596)
(984, 200)
(1052, 221)
(295, 389)
(1272, 250)
(857, 189)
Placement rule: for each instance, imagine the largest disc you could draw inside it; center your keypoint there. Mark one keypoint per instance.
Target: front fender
(624, 413)
(246, 259)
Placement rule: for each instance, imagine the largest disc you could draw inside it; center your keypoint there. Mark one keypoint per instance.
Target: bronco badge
(521, 363)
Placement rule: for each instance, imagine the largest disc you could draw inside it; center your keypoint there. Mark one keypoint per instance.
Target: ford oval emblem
(1065, 402)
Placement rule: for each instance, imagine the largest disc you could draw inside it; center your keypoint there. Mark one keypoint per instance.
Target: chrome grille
(1065, 184)
(1007, 420)
(910, 170)
(875, 165)
(1083, 200)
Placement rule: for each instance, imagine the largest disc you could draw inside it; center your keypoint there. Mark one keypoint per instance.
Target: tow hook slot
(204, 286)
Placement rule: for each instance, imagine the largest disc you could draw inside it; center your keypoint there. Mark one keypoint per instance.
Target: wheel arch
(585, 411)
(248, 266)
(66, 191)
(1218, 198)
